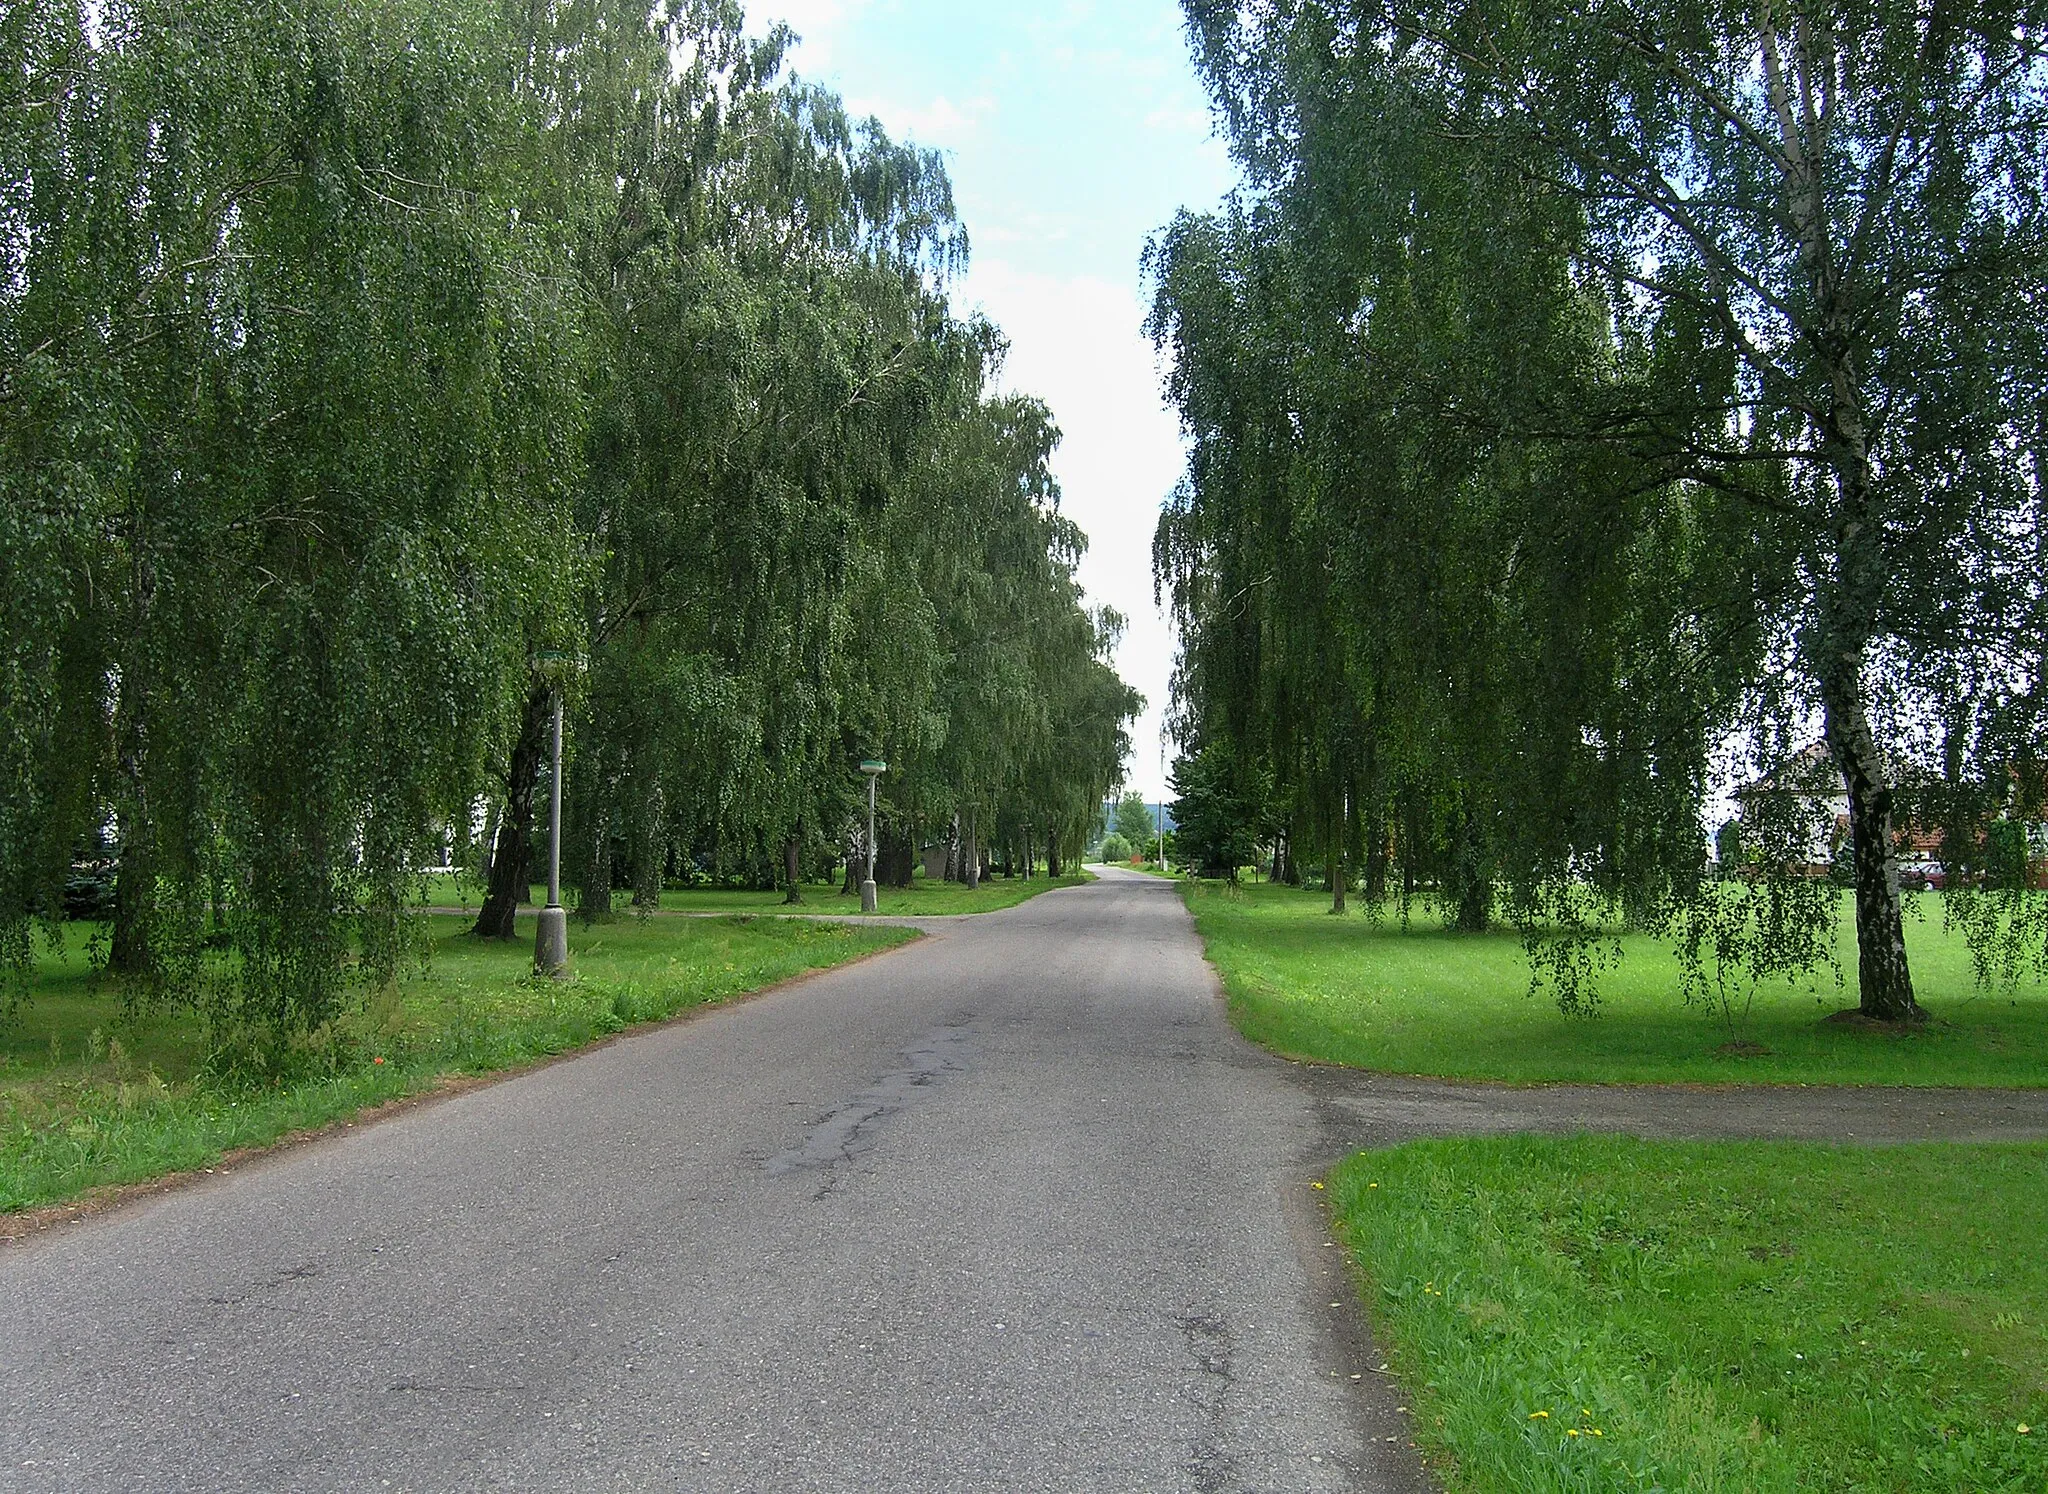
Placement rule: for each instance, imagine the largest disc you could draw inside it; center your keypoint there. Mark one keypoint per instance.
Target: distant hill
(1109, 811)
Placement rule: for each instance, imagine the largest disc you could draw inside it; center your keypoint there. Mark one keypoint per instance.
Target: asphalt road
(1012, 1208)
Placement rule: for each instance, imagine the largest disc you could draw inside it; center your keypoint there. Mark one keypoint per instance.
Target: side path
(1358, 1109)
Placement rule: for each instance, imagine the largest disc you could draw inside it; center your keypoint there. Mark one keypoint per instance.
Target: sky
(1072, 129)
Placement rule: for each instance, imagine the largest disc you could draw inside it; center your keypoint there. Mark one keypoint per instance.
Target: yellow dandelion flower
(1539, 1416)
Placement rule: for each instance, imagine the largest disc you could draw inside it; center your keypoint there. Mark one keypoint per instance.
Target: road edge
(19, 1228)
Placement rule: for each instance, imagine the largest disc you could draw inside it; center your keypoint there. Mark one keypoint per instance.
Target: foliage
(355, 360)
(1582, 396)
(291, 404)
(1606, 1313)
(1134, 818)
(1219, 808)
(1115, 848)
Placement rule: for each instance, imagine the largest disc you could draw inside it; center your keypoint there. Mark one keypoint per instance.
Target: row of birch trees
(371, 372)
(1592, 403)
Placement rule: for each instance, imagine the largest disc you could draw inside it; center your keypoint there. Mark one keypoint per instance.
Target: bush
(1115, 848)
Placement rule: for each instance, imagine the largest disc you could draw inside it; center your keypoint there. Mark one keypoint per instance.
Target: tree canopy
(1134, 818)
(1589, 400)
(356, 361)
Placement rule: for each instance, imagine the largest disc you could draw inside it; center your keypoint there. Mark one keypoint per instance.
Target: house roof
(1810, 770)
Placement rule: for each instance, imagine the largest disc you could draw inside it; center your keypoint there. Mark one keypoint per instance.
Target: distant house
(1813, 782)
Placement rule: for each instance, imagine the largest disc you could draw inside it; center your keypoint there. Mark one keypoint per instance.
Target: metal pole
(1162, 801)
(551, 935)
(555, 815)
(868, 900)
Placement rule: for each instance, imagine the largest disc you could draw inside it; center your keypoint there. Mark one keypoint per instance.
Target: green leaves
(313, 532)
(1583, 395)
(351, 357)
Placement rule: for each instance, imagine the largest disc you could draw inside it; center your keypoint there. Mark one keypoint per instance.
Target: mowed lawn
(1600, 1313)
(1363, 992)
(924, 898)
(92, 1094)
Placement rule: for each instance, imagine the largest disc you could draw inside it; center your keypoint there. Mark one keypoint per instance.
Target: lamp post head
(557, 667)
(873, 767)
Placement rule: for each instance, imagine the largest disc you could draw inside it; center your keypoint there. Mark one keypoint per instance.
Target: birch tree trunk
(1884, 979)
(650, 849)
(594, 898)
(1338, 874)
(129, 951)
(1850, 598)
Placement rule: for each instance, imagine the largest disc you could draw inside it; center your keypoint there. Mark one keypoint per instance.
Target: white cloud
(1079, 344)
(941, 123)
(1197, 124)
(816, 21)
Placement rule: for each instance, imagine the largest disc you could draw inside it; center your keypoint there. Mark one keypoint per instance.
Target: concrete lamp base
(551, 944)
(867, 896)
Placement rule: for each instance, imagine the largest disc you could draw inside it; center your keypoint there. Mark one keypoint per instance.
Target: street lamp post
(551, 934)
(874, 768)
(551, 938)
(1162, 801)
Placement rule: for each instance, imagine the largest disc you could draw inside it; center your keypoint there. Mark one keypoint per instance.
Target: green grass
(92, 1096)
(922, 899)
(1149, 868)
(1363, 993)
(1738, 1316)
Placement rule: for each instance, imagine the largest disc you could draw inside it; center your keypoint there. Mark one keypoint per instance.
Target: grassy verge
(922, 899)
(1601, 1313)
(1354, 991)
(92, 1096)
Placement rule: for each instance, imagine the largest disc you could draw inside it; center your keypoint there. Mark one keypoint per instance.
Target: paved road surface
(1009, 1209)
(1012, 1208)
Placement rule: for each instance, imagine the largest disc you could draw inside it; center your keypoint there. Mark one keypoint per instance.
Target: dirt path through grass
(1358, 1109)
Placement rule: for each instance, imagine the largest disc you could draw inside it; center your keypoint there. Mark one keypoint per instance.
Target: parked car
(1921, 875)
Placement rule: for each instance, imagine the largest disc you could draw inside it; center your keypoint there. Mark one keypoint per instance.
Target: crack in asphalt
(851, 1130)
(410, 1387)
(1211, 1468)
(304, 1271)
